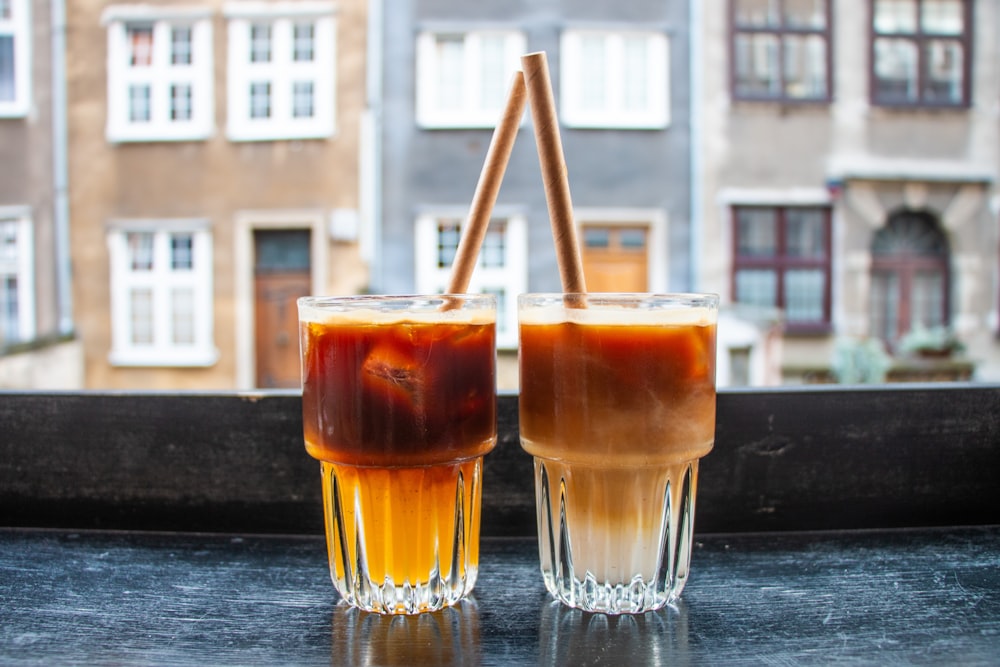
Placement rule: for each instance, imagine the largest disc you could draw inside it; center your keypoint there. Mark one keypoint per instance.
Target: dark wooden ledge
(785, 459)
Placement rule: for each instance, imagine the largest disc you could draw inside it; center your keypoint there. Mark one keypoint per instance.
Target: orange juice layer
(411, 525)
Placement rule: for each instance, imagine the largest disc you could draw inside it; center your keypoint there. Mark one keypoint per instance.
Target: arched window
(910, 282)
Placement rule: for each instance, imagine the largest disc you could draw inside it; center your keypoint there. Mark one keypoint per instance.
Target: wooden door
(282, 273)
(615, 258)
(910, 281)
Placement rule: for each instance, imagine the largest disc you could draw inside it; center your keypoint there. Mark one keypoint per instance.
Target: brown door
(282, 274)
(615, 258)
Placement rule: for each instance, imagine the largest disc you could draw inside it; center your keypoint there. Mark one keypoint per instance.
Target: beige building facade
(847, 162)
(38, 349)
(214, 159)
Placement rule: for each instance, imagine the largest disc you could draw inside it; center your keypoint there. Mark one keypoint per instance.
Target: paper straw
(488, 186)
(554, 177)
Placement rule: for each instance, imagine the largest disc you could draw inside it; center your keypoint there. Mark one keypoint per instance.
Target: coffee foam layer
(326, 315)
(619, 316)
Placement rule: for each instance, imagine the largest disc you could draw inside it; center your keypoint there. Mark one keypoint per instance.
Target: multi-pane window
(617, 79)
(782, 259)
(303, 99)
(260, 99)
(182, 252)
(161, 295)
(181, 102)
(10, 320)
(462, 77)
(17, 319)
(781, 50)
(15, 78)
(492, 252)
(9, 309)
(260, 43)
(449, 233)
(180, 46)
(501, 268)
(304, 35)
(140, 45)
(139, 110)
(159, 75)
(921, 52)
(281, 74)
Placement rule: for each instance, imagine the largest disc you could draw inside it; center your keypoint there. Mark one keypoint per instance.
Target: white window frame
(18, 26)
(281, 72)
(22, 268)
(161, 75)
(512, 277)
(614, 114)
(473, 112)
(161, 280)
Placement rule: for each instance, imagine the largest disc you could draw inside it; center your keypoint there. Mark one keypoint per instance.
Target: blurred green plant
(931, 341)
(860, 361)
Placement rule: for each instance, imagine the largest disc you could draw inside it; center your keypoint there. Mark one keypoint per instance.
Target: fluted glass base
(403, 540)
(615, 540)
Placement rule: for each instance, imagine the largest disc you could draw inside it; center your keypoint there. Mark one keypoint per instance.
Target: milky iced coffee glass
(399, 407)
(617, 405)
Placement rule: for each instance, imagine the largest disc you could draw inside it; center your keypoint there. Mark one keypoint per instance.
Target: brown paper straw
(550, 154)
(488, 186)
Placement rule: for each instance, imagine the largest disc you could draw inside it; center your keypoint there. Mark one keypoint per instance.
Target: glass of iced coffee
(617, 405)
(399, 407)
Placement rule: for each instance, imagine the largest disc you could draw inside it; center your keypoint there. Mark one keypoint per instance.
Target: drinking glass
(399, 407)
(617, 406)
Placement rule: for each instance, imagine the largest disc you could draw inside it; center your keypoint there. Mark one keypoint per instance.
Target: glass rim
(388, 308)
(318, 301)
(704, 299)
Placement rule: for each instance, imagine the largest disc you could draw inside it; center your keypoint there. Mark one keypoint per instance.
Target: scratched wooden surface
(785, 459)
(926, 596)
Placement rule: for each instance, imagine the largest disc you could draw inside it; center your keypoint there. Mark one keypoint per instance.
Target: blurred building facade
(37, 343)
(845, 170)
(176, 172)
(214, 159)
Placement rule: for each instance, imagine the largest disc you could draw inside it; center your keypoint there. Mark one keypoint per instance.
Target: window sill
(615, 123)
(35, 344)
(902, 370)
(279, 134)
(164, 359)
(789, 102)
(960, 108)
(19, 111)
(473, 122)
(807, 330)
(118, 133)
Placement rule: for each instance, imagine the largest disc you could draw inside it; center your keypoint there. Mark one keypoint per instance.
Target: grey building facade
(620, 76)
(847, 175)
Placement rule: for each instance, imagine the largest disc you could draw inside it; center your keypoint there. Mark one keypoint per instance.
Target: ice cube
(393, 373)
